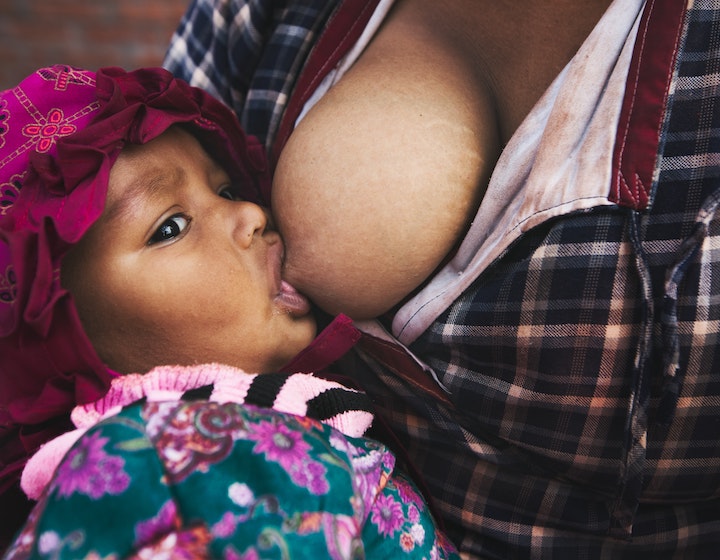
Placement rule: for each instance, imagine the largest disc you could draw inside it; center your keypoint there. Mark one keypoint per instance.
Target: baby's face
(179, 270)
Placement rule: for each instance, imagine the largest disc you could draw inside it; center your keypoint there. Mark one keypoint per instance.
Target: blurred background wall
(85, 33)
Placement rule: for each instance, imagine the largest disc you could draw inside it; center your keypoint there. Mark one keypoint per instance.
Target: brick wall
(85, 33)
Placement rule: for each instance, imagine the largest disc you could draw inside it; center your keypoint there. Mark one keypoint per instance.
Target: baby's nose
(250, 219)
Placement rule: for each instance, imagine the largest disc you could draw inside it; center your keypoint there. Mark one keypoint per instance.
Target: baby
(130, 238)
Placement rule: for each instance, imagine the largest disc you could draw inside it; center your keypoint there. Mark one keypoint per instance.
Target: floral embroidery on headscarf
(48, 129)
(64, 75)
(4, 118)
(9, 192)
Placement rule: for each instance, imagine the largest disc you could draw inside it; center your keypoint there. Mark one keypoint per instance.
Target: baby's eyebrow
(142, 191)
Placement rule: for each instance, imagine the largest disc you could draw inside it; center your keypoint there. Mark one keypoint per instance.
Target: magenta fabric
(61, 130)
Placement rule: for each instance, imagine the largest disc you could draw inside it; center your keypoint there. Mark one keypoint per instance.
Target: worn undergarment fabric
(201, 479)
(558, 162)
(579, 365)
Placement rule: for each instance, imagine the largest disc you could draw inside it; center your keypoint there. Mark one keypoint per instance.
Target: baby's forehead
(168, 143)
(176, 147)
(143, 172)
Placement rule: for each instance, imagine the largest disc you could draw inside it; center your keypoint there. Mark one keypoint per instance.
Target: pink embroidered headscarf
(61, 130)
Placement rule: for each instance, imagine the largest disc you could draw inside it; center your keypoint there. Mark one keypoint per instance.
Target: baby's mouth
(292, 301)
(288, 298)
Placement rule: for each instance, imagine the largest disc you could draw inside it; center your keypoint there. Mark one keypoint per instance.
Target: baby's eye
(170, 229)
(231, 192)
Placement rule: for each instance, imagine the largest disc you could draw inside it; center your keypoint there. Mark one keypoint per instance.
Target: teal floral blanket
(200, 479)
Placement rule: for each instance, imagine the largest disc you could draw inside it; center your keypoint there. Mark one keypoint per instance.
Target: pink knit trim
(353, 423)
(39, 469)
(161, 384)
(300, 388)
(169, 383)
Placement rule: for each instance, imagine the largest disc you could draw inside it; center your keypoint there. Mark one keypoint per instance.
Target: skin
(178, 270)
(380, 180)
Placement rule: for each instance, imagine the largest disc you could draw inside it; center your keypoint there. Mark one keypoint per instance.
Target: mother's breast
(381, 178)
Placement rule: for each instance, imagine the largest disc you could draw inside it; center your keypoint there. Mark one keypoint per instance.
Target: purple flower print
(387, 514)
(413, 514)
(225, 528)
(279, 443)
(87, 469)
(318, 483)
(310, 475)
(165, 521)
(408, 494)
(286, 447)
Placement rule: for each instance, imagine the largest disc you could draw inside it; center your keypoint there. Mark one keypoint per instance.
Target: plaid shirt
(247, 53)
(582, 366)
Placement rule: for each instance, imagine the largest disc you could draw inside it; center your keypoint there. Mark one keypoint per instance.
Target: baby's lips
(292, 301)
